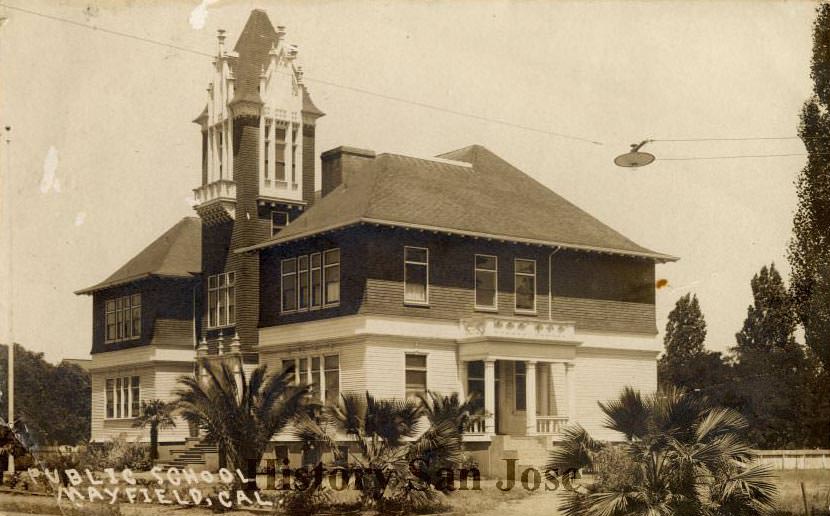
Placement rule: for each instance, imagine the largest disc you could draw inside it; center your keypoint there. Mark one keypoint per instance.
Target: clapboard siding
(605, 315)
(352, 366)
(601, 376)
(385, 366)
(156, 381)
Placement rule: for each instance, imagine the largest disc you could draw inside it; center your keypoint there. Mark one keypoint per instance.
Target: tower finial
(280, 32)
(220, 35)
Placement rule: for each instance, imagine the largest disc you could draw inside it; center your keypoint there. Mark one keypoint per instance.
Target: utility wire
(738, 156)
(312, 79)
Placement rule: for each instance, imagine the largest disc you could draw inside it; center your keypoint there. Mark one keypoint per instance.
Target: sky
(104, 156)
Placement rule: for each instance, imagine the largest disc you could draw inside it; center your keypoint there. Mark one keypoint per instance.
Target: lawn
(816, 484)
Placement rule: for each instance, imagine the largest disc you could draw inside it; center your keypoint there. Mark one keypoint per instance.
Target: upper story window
(279, 219)
(310, 281)
(123, 397)
(266, 151)
(416, 275)
(222, 300)
(123, 318)
(416, 374)
(486, 281)
(525, 285)
(219, 150)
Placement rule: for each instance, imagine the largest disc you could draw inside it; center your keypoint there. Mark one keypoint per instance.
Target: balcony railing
(476, 426)
(549, 425)
(222, 189)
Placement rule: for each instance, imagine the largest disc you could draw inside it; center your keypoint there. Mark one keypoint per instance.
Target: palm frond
(629, 414)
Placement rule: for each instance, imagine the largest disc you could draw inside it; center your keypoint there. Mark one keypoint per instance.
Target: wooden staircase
(195, 455)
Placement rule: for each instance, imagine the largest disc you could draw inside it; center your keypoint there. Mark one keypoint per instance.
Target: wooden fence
(795, 459)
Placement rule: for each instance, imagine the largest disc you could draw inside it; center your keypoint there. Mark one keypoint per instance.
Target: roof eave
(658, 257)
(137, 277)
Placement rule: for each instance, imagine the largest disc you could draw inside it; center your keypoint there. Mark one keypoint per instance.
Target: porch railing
(547, 425)
(476, 426)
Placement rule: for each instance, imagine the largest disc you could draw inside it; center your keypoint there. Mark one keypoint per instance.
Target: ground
(488, 501)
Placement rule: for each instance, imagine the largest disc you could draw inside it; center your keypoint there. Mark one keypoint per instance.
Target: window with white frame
(123, 318)
(267, 151)
(475, 378)
(322, 371)
(279, 219)
(331, 365)
(222, 300)
(123, 397)
(331, 276)
(486, 281)
(416, 374)
(416, 275)
(525, 285)
(310, 281)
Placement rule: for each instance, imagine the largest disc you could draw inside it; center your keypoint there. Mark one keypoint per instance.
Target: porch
(523, 370)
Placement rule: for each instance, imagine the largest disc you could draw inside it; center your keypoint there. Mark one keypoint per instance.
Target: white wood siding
(385, 365)
(601, 376)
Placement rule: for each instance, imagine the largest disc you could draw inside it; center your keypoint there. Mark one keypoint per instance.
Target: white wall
(385, 365)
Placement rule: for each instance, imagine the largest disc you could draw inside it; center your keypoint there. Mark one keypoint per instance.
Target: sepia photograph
(399, 257)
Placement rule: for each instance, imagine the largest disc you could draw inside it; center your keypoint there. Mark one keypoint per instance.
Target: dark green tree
(53, 402)
(158, 416)
(771, 370)
(809, 250)
(685, 362)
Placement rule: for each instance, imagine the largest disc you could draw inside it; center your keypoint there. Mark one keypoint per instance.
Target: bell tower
(258, 154)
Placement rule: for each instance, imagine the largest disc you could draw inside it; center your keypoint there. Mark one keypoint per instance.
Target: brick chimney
(340, 163)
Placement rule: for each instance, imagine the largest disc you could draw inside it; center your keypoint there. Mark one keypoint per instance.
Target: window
(315, 377)
(279, 154)
(123, 318)
(222, 300)
(311, 281)
(486, 282)
(416, 374)
(288, 363)
(316, 280)
(302, 282)
(294, 154)
(331, 364)
(219, 149)
(289, 284)
(267, 149)
(331, 274)
(416, 275)
(475, 378)
(123, 397)
(520, 382)
(279, 219)
(525, 285)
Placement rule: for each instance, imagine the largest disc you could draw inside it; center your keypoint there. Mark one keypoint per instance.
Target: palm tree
(157, 415)
(441, 407)
(681, 456)
(241, 413)
(392, 436)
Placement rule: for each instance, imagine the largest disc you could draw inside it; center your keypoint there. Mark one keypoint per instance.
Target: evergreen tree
(683, 341)
(809, 252)
(771, 370)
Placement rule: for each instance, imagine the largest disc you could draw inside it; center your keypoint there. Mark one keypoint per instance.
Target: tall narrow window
(110, 394)
(331, 274)
(475, 378)
(294, 154)
(289, 285)
(525, 285)
(332, 373)
(111, 320)
(266, 151)
(520, 383)
(302, 282)
(119, 307)
(135, 396)
(315, 377)
(416, 374)
(221, 299)
(279, 153)
(135, 307)
(288, 363)
(219, 145)
(316, 280)
(118, 398)
(302, 370)
(486, 270)
(416, 275)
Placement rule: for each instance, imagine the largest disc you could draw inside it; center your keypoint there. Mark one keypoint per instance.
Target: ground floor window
(322, 372)
(475, 379)
(416, 374)
(520, 383)
(123, 397)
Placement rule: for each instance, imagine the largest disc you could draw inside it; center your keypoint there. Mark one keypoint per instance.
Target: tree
(767, 357)
(157, 415)
(240, 413)
(681, 456)
(685, 362)
(53, 402)
(809, 250)
(393, 436)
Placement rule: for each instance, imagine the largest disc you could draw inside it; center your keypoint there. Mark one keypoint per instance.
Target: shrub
(117, 454)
